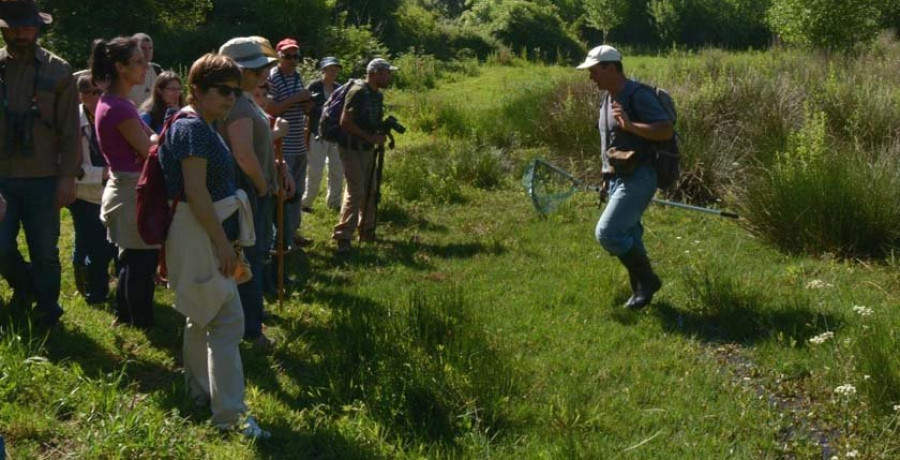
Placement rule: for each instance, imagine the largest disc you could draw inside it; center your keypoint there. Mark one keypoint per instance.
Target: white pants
(320, 152)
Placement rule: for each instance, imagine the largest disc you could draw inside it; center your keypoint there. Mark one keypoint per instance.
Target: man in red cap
(40, 154)
(291, 101)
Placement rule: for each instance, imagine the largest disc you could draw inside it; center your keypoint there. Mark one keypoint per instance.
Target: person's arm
(69, 142)
(280, 129)
(240, 138)
(657, 128)
(276, 109)
(136, 135)
(91, 175)
(194, 172)
(348, 124)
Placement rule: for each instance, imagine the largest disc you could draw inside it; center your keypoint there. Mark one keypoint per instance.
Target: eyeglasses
(290, 56)
(93, 92)
(225, 90)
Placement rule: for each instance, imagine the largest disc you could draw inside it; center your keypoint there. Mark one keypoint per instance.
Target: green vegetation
(476, 329)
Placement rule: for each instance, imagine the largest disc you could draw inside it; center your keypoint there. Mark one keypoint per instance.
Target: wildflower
(821, 338)
(817, 284)
(845, 390)
(862, 310)
(852, 454)
(896, 407)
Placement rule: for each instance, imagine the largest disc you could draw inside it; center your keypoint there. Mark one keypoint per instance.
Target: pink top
(111, 112)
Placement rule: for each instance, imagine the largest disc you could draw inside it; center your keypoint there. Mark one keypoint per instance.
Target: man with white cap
(361, 120)
(40, 156)
(250, 139)
(630, 118)
(320, 150)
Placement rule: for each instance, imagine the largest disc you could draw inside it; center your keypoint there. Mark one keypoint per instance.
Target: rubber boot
(646, 282)
(81, 278)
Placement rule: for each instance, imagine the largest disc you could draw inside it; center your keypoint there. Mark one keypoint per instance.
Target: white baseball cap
(602, 53)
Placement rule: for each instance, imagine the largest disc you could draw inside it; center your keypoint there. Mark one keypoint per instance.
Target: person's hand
(282, 125)
(604, 191)
(378, 139)
(622, 119)
(2, 207)
(65, 191)
(301, 96)
(105, 173)
(307, 106)
(227, 258)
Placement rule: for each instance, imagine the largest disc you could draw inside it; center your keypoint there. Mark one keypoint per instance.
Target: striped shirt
(281, 87)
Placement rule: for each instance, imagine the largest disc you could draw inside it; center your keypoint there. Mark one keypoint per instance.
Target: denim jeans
(134, 294)
(91, 249)
(251, 291)
(619, 228)
(31, 204)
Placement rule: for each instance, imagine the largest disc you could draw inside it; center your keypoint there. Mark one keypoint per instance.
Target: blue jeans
(619, 228)
(31, 204)
(91, 249)
(251, 291)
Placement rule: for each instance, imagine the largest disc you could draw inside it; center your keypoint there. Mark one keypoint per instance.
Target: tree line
(552, 30)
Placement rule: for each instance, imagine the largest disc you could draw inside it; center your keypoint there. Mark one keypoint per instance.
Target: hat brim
(34, 21)
(588, 63)
(258, 63)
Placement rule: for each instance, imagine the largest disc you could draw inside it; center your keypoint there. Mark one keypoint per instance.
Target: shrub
(828, 24)
(821, 196)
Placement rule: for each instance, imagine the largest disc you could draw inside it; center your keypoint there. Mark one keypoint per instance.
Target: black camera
(391, 124)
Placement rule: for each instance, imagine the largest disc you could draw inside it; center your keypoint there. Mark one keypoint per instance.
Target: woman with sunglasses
(212, 216)
(92, 252)
(166, 100)
(250, 139)
(117, 66)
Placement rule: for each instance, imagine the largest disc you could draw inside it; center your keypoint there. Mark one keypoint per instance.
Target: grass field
(476, 329)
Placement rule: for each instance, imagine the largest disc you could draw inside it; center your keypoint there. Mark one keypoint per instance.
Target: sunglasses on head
(225, 90)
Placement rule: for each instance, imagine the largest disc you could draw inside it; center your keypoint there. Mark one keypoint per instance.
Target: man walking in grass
(630, 118)
(40, 152)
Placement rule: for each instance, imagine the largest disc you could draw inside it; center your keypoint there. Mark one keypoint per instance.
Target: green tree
(826, 24)
(606, 15)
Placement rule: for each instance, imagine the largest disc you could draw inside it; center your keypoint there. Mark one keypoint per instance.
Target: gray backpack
(666, 156)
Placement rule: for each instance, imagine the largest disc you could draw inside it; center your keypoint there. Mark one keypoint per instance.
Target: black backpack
(330, 123)
(666, 156)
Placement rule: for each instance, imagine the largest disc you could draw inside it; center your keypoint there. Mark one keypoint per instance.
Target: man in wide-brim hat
(39, 157)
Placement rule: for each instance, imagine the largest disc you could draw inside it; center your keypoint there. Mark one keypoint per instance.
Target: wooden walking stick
(279, 220)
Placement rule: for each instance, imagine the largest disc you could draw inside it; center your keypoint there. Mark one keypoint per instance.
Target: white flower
(821, 338)
(845, 390)
(896, 407)
(817, 284)
(852, 454)
(862, 310)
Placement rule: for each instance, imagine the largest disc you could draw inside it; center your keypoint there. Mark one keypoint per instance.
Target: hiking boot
(251, 429)
(645, 283)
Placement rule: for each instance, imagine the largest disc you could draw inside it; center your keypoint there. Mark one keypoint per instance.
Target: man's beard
(21, 47)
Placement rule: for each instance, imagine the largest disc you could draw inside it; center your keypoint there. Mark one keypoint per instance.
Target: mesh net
(548, 186)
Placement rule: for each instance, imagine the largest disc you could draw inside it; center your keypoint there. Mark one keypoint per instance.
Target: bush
(820, 196)
(828, 24)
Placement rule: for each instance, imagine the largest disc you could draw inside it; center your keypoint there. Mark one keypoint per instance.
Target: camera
(391, 124)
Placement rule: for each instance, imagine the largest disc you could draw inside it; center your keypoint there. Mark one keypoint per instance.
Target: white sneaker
(251, 429)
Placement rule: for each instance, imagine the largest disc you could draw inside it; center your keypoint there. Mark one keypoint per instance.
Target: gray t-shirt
(244, 107)
(641, 106)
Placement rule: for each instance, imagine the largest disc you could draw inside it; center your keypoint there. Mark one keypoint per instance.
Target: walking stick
(279, 223)
(374, 191)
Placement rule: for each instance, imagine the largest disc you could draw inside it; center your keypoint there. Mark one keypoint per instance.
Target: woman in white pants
(320, 150)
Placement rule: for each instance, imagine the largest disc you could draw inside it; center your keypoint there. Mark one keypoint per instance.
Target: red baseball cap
(286, 43)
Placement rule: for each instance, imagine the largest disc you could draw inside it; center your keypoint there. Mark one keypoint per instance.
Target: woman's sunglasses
(225, 90)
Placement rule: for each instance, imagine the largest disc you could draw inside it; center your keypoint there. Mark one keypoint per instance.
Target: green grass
(476, 329)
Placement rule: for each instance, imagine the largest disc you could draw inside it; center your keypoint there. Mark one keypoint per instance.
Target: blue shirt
(192, 137)
(641, 106)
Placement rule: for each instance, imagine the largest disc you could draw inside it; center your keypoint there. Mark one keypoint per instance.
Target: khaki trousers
(356, 212)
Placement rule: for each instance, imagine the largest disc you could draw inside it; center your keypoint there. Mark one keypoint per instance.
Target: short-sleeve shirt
(641, 106)
(192, 137)
(263, 145)
(365, 106)
(111, 112)
(281, 87)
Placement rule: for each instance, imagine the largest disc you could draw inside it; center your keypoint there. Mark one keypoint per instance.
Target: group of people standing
(246, 133)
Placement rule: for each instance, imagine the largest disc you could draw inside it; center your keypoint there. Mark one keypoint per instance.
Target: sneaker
(343, 246)
(300, 241)
(251, 429)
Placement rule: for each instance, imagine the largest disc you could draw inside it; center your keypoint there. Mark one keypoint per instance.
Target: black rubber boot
(81, 278)
(645, 283)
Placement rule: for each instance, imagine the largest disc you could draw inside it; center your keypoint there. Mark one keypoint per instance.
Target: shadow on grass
(419, 367)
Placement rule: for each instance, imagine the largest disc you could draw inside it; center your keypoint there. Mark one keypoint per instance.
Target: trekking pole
(279, 224)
